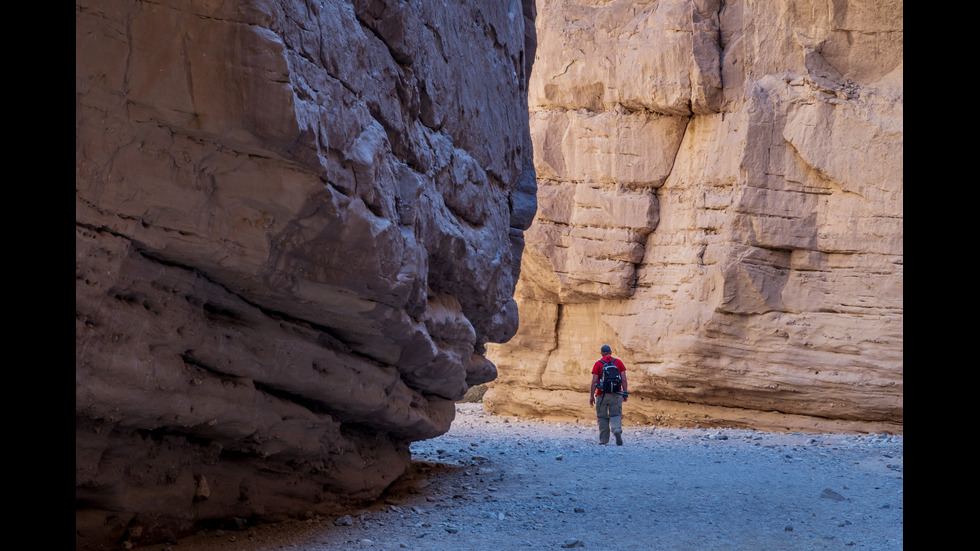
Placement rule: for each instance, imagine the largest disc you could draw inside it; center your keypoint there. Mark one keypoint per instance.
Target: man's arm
(622, 376)
(595, 383)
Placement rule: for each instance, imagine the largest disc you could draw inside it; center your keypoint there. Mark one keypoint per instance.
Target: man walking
(607, 394)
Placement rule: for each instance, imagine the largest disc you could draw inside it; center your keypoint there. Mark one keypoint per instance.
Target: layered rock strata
(721, 201)
(298, 224)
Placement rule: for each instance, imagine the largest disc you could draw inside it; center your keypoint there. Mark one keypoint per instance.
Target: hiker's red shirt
(597, 369)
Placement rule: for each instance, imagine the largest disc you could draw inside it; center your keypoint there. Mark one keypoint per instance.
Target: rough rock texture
(298, 223)
(721, 201)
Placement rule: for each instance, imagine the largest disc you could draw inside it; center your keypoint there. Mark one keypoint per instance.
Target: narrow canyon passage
(305, 229)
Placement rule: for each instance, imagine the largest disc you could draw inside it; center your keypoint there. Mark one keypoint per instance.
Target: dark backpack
(609, 379)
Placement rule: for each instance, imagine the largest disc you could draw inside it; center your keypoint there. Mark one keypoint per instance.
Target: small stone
(202, 490)
(830, 494)
(573, 543)
(345, 520)
(237, 523)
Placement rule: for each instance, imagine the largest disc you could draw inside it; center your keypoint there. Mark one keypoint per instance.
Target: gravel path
(500, 483)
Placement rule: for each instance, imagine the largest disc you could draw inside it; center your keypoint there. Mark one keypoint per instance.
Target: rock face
(298, 224)
(721, 201)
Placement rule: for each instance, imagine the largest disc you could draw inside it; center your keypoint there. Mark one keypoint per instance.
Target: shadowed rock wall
(721, 201)
(298, 223)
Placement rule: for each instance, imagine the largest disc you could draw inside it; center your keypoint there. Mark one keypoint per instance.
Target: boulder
(298, 225)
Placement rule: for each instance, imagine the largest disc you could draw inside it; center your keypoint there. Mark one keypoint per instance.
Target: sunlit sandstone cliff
(298, 223)
(721, 201)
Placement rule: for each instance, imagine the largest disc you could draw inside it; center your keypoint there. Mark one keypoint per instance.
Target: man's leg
(602, 415)
(616, 417)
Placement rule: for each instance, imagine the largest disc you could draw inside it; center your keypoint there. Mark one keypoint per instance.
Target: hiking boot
(619, 438)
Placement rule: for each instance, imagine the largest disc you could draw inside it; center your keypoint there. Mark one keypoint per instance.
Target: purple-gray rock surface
(298, 223)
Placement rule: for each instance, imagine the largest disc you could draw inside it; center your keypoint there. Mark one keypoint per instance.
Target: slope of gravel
(498, 483)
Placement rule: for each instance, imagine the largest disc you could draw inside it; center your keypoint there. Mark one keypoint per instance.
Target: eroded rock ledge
(298, 224)
(721, 201)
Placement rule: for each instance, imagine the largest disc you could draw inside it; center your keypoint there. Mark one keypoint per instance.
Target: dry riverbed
(500, 483)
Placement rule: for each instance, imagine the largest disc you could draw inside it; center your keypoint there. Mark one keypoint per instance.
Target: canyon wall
(720, 201)
(298, 223)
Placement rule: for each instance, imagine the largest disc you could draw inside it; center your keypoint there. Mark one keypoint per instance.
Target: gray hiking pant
(609, 412)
